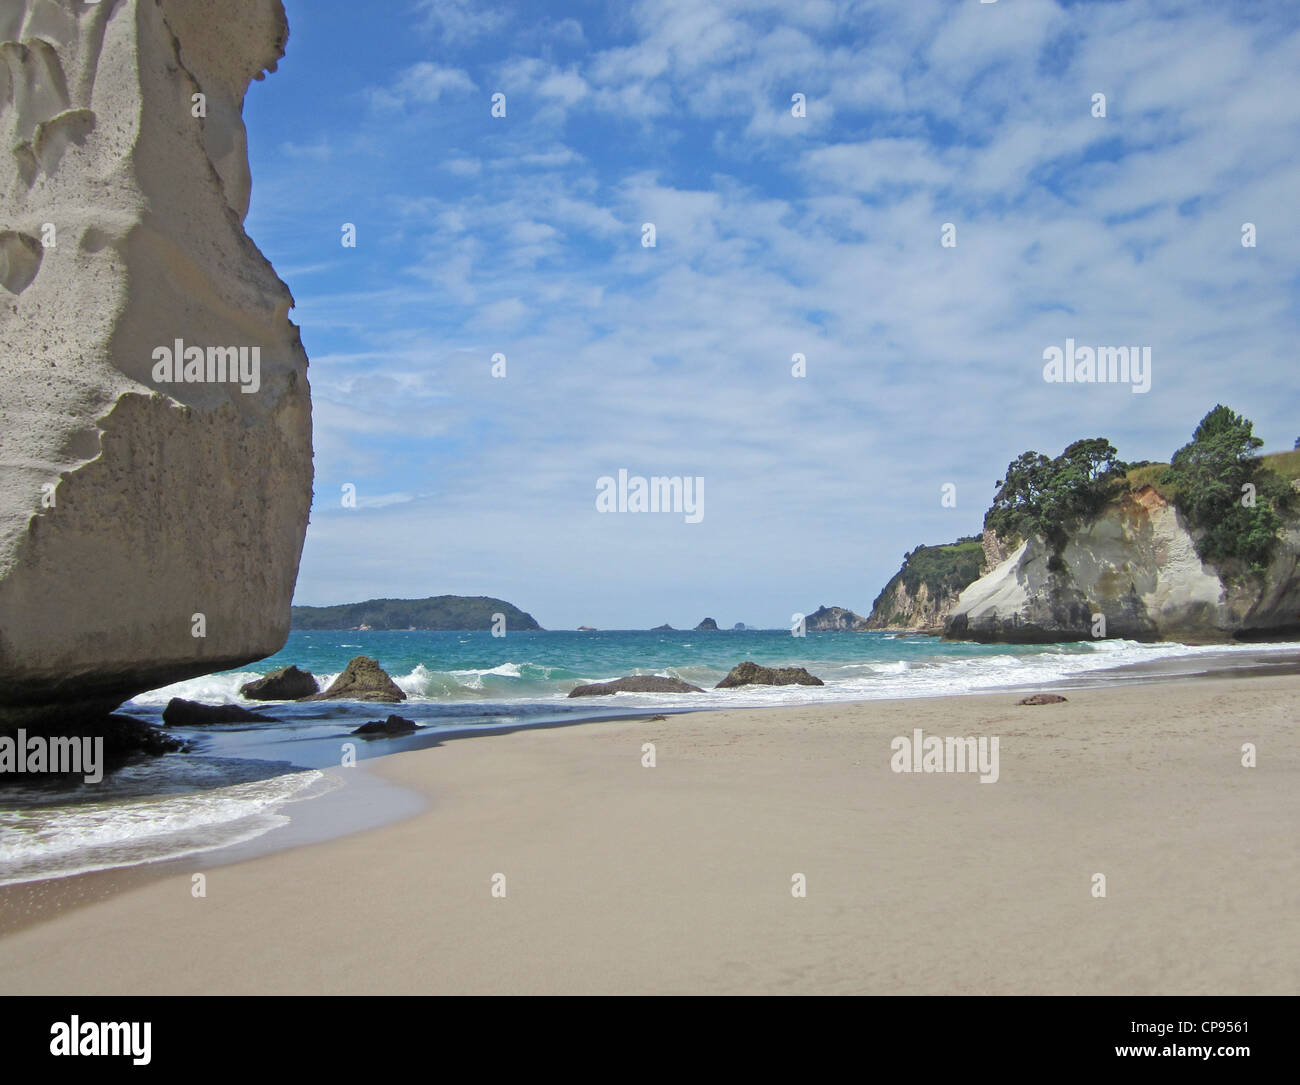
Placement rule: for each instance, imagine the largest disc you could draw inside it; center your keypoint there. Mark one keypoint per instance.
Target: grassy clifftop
(1286, 464)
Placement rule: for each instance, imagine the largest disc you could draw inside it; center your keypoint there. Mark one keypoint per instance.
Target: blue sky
(775, 235)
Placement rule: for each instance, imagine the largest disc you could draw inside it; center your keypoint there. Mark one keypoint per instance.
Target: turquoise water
(458, 674)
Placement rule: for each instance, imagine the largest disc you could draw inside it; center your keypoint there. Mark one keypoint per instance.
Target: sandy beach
(677, 878)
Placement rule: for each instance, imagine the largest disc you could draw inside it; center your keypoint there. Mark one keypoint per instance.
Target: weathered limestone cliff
(903, 611)
(151, 517)
(996, 551)
(1135, 565)
(919, 597)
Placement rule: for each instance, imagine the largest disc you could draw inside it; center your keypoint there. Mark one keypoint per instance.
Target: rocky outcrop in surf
(286, 684)
(707, 626)
(393, 725)
(751, 674)
(182, 713)
(636, 683)
(363, 679)
(155, 429)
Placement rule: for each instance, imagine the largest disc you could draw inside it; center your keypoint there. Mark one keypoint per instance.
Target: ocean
(237, 784)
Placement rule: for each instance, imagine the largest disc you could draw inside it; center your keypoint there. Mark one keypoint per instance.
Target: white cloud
(566, 87)
(463, 167)
(529, 233)
(321, 151)
(505, 313)
(460, 21)
(421, 84)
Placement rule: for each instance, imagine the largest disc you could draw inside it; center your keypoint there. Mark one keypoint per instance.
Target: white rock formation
(1136, 565)
(130, 504)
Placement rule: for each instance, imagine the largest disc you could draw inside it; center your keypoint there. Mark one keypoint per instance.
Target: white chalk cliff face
(1136, 564)
(131, 505)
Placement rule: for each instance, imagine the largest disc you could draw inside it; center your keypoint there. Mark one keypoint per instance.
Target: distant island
(834, 620)
(438, 612)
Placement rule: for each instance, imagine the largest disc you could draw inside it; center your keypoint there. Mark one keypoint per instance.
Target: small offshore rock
(636, 683)
(362, 680)
(394, 725)
(751, 674)
(287, 684)
(182, 713)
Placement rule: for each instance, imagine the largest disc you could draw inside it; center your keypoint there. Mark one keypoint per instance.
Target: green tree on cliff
(1227, 494)
(1046, 497)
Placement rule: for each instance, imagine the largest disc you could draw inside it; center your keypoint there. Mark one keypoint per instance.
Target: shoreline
(445, 681)
(321, 815)
(17, 900)
(466, 784)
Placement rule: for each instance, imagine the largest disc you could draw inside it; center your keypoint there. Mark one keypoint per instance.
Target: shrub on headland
(1047, 497)
(1233, 502)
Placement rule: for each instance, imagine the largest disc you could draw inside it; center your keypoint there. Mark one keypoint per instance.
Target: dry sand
(677, 878)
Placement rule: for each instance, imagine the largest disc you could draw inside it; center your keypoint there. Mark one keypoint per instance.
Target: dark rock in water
(707, 626)
(125, 735)
(182, 713)
(663, 629)
(588, 629)
(636, 683)
(122, 735)
(739, 625)
(751, 674)
(394, 725)
(124, 740)
(286, 684)
(1043, 698)
(362, 680)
